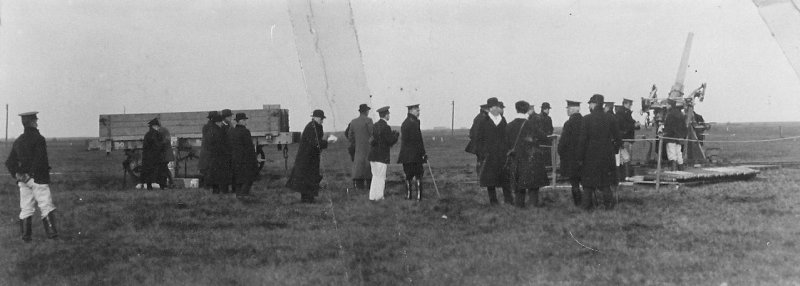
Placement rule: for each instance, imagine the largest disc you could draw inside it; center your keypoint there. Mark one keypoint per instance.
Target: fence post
(658, 163)
(780, 131)
(553, 152)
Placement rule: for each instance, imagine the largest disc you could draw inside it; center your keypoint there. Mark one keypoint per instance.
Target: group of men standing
(228, 157)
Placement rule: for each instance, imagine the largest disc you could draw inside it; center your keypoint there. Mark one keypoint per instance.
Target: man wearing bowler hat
(202, 164)
(153, 156)
(568, 149)
(306, 176)
(243, 157)
(358, 134)
(598, 142)
(28, 163)
(383, 138)
(412, 152)
(491, 146)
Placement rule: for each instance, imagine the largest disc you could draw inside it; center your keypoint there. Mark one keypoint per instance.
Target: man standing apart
(153, 156)
(412, 152)
(306, 176)
(599, 140)
(28, 163)
(383, 137)
(675, 127)
(358, 134)
(568, 149)
(491, 146)
(243, 157)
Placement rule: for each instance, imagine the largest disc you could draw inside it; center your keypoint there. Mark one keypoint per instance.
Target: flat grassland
(739, 233)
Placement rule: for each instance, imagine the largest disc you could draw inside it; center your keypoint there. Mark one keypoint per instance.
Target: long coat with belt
(360, 130)
(29, 156)
(202, 164)
(382, 141)
(243, 155)
(152, 154)
(599, 140)
(306, 174)
(527, 158)
(219, 157)
(568, 146)
(412, 149)
(492, 148)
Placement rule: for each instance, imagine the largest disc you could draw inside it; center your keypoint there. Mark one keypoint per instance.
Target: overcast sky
(74, 60)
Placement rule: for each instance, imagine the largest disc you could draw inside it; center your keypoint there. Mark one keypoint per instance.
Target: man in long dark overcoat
(568, 149)
(218, 174)
(412, 152)
(547, 127)
(202, 163)
(227, 126)
(153, 156)
(243, 156)
(526, 163)
(358, 134)
(598, 141)
(306, 176)
(473, 130)
(383, 138)
(492, 147)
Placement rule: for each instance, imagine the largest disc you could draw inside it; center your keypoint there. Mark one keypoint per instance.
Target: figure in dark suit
(227, 126)
(243, 157)
(153, 156)
(306, 176)
(676, 129)
(382, 140)
(218, 172)
(412, 152)
(598, 142)
(525, 157)
(492, 147)
(202, 164)
(568, 149)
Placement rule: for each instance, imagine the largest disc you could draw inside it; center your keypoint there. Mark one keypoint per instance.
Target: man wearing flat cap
(568, 149)
(28, 163)
(383, 138)
(202, 164)
(243, 157)
(412, 152)
(358, 134)
(473, 135)
(598, 142)
(491, 146)
(153, 155)
(306, 176)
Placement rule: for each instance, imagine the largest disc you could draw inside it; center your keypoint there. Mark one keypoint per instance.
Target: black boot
(520, 198)
(576, 195)
(25, 229)
(408, 189)
(215, 189)
(419, 190)
(508, 198)
(49, 223)
(492, 195)
(536, 201)
(587, 200)
(608, 198)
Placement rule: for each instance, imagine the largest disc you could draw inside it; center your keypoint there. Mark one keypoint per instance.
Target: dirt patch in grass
(748, 199)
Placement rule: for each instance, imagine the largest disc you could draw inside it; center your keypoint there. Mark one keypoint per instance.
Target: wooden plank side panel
(132, 125)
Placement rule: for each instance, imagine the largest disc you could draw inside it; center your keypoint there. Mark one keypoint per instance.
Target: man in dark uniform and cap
(598, 142)
(202, 165)
(28, 163)
(153, 156)
(675, 127)
(243, 157)
(568, 149)
(306, 176)
(412, 152)
(491, 146)
(383, 138)
(471, 147)
(627, 129)
(358, 134)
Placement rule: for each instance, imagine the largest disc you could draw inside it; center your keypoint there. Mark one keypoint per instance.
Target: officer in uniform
(412, 152)
(568, 149)
(28, 163)
(383, 137)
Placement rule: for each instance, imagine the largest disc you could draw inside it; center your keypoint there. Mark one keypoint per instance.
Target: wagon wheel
(131, 166)
(261, 157)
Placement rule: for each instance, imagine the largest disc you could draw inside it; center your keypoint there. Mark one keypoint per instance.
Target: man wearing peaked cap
(358, 132)
(152, 155)
(412, 152)
(599, 141)
(28, 163)
(568, 149)
(306, 175)
(383, 138)
(243, 157)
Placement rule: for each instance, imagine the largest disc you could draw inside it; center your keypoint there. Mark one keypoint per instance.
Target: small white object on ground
(444, 216)
(332, 139)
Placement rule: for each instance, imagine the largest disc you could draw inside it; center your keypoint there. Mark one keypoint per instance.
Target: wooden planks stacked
(701, 174)
(128, 127)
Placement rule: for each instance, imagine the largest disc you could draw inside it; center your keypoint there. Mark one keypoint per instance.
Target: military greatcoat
(599, 140)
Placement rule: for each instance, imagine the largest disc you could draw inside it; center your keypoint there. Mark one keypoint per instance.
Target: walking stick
(434, 180)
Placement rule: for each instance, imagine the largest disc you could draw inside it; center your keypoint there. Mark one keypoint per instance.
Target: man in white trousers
(383, 137)
(28, 164)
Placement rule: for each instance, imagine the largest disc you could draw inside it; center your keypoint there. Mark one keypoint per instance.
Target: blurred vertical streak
(782, 17)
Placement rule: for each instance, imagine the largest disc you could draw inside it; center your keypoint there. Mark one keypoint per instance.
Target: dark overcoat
(599, 140)
(471, 146)
(359, 133)
(218, 171)
(675, 125)
(29, 156)
(243, 155)
(382, 141)
(568, 146)
(492, 148)
(305, 176)
(547, 124)
(169, 156)
(202, 163)
(412, 149)
(527, 157)
(627, 126)
(152, 154)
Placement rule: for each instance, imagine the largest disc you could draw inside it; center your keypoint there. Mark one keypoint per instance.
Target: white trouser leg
(674, 153)
(31, 194)
(378, 180)
(27, 203)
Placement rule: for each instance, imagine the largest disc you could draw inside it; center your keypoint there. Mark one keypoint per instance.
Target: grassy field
(739, 233)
